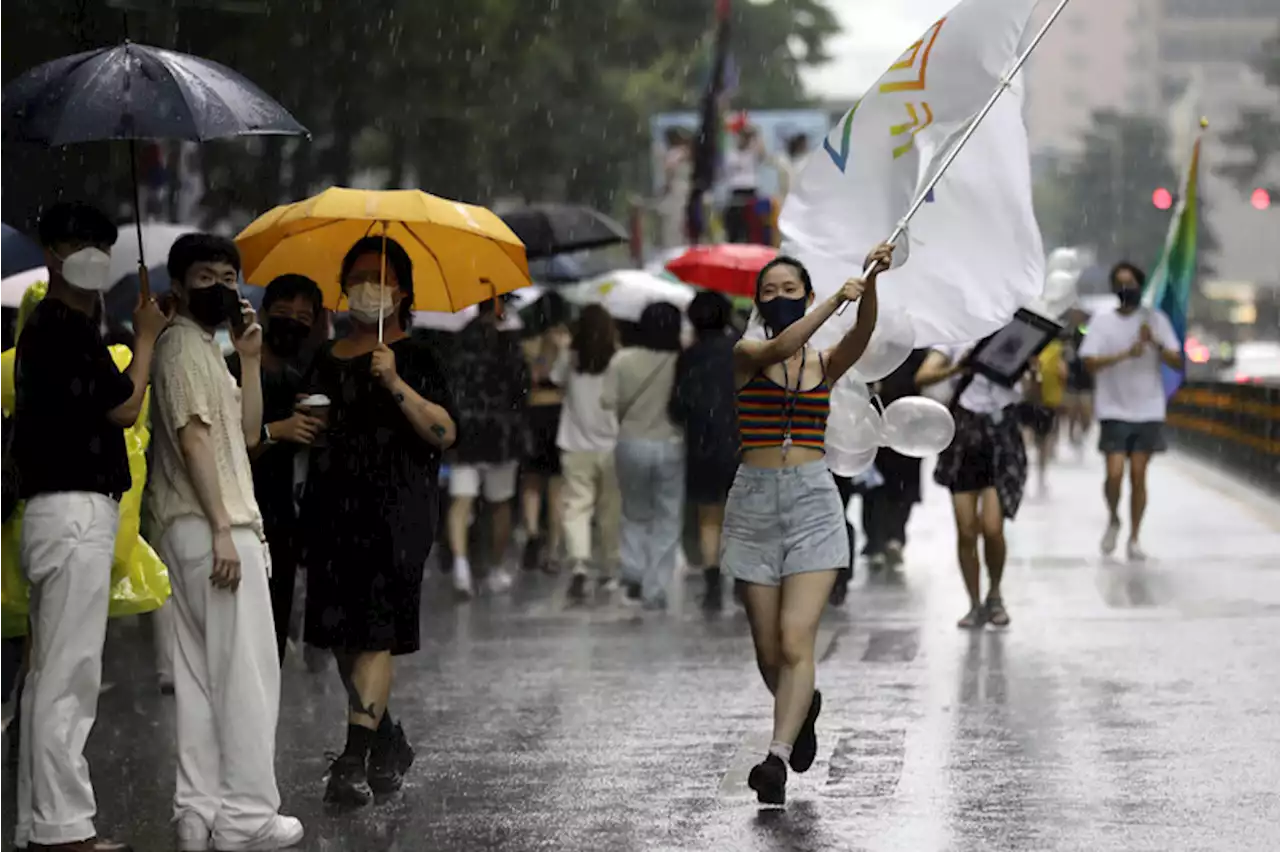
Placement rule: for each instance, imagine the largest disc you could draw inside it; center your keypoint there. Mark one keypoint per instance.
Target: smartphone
(235, 312)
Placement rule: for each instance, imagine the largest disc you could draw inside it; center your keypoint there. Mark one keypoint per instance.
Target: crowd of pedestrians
(307, 453)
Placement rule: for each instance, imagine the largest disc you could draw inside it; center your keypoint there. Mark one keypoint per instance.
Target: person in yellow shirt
(1044, 394)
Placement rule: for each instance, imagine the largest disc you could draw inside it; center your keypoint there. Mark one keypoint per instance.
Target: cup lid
(316, 400)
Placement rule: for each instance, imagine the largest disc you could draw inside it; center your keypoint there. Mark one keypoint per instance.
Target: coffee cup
(316, 405)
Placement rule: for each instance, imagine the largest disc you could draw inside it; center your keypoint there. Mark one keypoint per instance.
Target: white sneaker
(893, 554)
(193, 834)
(500, 580)
(1109, 538)
(1136, 553)
(462, 577)
(281, 832)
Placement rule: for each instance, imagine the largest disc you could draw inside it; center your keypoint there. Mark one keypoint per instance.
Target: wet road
(1128, 707)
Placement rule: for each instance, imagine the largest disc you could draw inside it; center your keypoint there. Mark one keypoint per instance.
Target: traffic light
(1162, 199)
(1260, 199)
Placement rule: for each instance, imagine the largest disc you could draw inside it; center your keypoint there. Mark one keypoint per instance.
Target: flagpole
(1005, 83)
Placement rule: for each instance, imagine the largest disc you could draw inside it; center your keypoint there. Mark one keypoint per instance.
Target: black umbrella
(137, 92)
(551, 229)
(19, 251)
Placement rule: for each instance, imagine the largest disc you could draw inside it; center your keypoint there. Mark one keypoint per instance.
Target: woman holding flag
(784, 531)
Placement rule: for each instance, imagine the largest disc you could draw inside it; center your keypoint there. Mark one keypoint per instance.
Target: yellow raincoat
(139, 580)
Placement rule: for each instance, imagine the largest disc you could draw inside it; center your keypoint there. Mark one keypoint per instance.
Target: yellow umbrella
(462, 254)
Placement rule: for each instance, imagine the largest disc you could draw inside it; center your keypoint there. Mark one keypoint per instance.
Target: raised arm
(937, 368)
(846, 353)
(430, 420)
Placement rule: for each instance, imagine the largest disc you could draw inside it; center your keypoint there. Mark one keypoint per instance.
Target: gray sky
(876, 32)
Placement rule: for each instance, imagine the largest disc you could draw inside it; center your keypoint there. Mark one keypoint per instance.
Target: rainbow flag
(1169, 287)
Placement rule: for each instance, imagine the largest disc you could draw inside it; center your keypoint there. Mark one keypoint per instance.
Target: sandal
(975, 618)
(997, 616)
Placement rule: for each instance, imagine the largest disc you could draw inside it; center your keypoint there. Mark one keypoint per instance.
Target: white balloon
(853, 426)
(843, 463)
(917, 426)
(1067, 259)
(890, 346)
(1060, 293)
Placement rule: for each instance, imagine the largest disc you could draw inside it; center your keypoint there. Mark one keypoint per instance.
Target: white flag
(975, 253)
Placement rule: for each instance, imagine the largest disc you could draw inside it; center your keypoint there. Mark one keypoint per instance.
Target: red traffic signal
(1261, 199)
(1162, 199)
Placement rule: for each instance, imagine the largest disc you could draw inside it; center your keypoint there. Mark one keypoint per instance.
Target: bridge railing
(1236, 426)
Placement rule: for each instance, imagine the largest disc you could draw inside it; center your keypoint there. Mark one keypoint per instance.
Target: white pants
(591, 494)
(226, 679)
(67, 545)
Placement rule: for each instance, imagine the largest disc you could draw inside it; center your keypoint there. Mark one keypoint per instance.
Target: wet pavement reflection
(1129, 707)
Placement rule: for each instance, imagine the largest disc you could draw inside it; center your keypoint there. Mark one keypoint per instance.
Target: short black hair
(784, 260)
(397, 259)
(660, 327)
(190, 249)
(290, 286)
(76, 222)
(1126, 266)
(709, 312)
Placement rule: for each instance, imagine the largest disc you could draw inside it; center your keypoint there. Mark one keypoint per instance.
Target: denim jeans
(651, 479)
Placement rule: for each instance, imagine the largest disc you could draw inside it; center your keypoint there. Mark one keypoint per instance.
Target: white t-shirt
(1131, 391)
(585, 427)
(740, 168)
(983, 396)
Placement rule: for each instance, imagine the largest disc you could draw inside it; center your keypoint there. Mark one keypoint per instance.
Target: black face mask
(1130, 297)
(778, 313)
(285, 335)
(212, 306)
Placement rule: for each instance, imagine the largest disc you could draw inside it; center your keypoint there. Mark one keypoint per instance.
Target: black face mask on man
(285, 335)
(779, 313)
(1130, 297)
(212, 306)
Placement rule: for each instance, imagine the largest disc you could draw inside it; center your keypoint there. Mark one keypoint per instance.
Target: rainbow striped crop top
(762, 414)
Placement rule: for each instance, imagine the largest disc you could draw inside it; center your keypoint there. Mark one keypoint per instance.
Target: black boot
(769, 780)
(713, 598)
(348, 782)
(389, 760)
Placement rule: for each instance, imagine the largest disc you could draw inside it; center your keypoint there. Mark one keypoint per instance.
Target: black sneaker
(348, 782)
(769, 780)
(389, 760)
(713, 597)
(533, 553)
(578, 588)
(632, 592)
(806, 747)
(840, 590)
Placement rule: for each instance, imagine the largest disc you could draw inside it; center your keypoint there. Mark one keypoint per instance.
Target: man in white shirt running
(1124, 349)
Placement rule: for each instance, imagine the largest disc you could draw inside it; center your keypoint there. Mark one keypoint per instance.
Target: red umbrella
(729, 268)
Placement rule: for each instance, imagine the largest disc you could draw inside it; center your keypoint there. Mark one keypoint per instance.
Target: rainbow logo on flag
(1169, 287)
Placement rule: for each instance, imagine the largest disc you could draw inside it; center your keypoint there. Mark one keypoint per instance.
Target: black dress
(371, 504)
(704, 402)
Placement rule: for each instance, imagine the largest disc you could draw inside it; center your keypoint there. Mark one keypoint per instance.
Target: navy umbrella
(551, 229)
(19, 252)
(132, 92)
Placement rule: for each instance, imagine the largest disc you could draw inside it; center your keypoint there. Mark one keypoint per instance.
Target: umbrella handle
(498, 309)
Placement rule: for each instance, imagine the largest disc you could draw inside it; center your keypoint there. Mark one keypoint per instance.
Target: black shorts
(542, 456)
(1119, 436)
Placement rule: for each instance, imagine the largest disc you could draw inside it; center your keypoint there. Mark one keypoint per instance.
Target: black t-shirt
(273, 467)
(65, 384)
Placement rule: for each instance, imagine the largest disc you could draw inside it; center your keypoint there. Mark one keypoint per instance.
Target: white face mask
(370, 302)
(88, 269)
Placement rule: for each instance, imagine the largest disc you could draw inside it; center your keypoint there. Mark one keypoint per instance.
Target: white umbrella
(453, 323)
(625, 293)
(13, 288)
(157, 239)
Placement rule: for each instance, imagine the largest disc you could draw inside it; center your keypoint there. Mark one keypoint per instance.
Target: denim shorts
(785, 521)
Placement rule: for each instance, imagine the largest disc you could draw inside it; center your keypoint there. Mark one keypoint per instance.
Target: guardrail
(1234, 425)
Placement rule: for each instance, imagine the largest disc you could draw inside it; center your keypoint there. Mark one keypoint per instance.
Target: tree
(471, 99)
(1258, 129)
(1103, 196)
